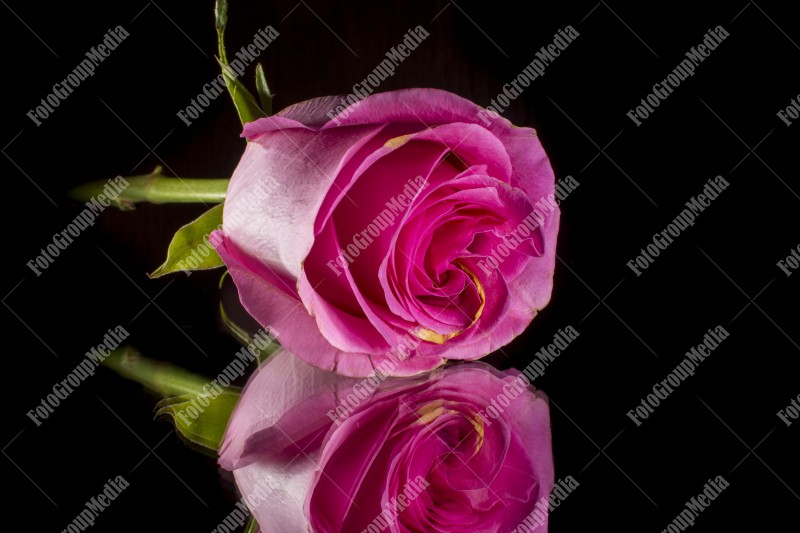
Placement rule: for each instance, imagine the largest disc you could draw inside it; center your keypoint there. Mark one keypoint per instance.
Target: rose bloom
(315, 451)
(405, 220)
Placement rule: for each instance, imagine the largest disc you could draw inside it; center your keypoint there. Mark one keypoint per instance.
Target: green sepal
(241, 334)
(201, 426)
(190, 249)
(198, 407)
(246, 105)
(264, 95)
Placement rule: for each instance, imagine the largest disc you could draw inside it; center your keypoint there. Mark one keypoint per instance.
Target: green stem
(156, 188)
(220, 21)
(164, 378)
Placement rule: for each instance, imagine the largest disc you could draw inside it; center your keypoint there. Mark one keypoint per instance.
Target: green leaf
(264, 96)
(190, 249)
(203, 426)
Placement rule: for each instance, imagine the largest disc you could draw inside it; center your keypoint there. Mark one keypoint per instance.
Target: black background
(633, 181)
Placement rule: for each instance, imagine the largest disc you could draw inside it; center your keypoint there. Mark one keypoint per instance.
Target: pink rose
(401, 231)
(314, 451)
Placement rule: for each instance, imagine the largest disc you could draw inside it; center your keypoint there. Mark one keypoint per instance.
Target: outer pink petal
(420, 106)
(281, 386)
(277, 386)
(277, 189)
(281, 313)
(534, 285)
(282, 510)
